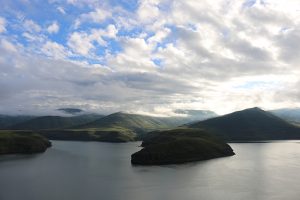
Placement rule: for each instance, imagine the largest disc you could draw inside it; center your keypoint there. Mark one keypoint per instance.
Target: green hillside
(55, 122)
(7, 121)
(17, 143)
(179, 146)
(249, 124)
(113, 135)
(138, 124)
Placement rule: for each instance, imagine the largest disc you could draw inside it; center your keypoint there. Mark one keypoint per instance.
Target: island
(179, 146)
(16, 143)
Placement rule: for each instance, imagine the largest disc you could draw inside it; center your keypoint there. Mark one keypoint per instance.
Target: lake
(94, 170)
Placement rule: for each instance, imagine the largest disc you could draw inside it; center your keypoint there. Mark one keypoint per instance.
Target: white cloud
(96, 16)
(83, 42)
(80, 43)
(159, 36)
(61, 10)
(2, 25)
(220, 55)
(31, 26)
(136, 56)
(8, 45)
(148, 10)
(53, 28)
(55, 50)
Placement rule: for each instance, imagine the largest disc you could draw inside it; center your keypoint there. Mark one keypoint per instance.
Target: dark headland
(14, 143)
(205, 139)
(179, 146)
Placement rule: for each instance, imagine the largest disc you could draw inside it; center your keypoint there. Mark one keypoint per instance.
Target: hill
(138, 124)
(54, 122)
(249, 124)
(7, 121)
(14, 143)
(180, 146)
(100, 135)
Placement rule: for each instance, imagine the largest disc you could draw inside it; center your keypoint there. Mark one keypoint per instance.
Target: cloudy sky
(148, 56)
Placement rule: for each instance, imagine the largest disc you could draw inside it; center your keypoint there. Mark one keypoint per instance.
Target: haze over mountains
(137, 122)
(54, 122)
(290, 114)
(245, 125)
(116, 127)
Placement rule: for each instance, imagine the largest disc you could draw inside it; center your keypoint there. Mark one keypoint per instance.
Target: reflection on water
(91, 170)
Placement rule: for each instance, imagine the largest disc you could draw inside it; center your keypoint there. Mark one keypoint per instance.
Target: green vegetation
(249, 125)
(179, 146)
(137, 124)
(16, 143)
(54, 122)
(7, 121)
(117, 127)
(102, 135)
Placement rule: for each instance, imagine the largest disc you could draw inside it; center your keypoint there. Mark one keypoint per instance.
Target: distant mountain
(195, 115)
(139, 124)
(7, 121)
(249, 124)
(72, 111)
(55, 122)
(290, 114)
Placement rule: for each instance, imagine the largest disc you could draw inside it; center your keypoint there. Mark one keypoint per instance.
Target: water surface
(94, 170)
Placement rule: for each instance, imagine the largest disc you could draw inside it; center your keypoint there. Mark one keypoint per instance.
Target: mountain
(72, 111)
(179, 146)
(290, 114)
(139, 124)
(195, 115)
(55, 122)
(12, 143)
(7, 120)
(249, 124)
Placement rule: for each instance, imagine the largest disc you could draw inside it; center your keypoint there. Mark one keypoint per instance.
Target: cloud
(55, 50)
(8, 45)
(53, 28)
(31, 26)
(80, 43)
(96, 16)
(2, 25)
(154, 56)
(61, 10)
(83, 42)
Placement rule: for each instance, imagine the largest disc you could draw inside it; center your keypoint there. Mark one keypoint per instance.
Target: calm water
(91, 170)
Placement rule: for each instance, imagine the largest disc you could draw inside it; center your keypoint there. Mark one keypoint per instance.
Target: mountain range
(116, 127)
(246, 125)
(54, 122)
(249, 124)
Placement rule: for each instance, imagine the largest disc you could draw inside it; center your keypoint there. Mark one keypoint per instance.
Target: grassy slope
(8, 121)
(249, 124)
(179, 146)
(138, 124)
(12, 143)
(90, 134)
(54, 122)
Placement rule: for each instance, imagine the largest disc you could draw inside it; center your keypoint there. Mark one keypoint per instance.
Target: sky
(148, 56)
